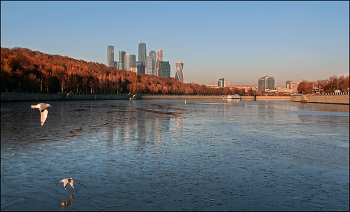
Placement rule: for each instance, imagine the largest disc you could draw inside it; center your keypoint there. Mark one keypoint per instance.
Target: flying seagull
(66, 181)
(43, 111)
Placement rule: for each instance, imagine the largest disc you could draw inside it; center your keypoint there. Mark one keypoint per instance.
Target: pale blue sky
(240, 41)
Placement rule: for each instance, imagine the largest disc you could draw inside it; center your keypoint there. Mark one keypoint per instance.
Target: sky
(237, 41)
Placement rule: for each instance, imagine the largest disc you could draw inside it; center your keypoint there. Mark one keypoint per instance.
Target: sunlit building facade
(292, 85)
(266, 83)
(110, 56)
(133, 69)
(179, 75)
(159, 58)
(222, 83)
(129, 61)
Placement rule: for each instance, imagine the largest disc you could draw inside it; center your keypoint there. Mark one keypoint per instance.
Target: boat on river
(235, 96)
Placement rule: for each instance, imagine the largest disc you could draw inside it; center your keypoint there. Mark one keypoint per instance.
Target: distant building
(221, 83)
(142, 53)
(121, 60)
(245, 87)
(110, 56)
(179, 75)
(164, 69)
(140, 67)
(116, 64)
(153, 54)
(129, 61)
(265, 83)
(133, 69)
(213, 86)
(292, 85)
(150, 63)
(160, 58)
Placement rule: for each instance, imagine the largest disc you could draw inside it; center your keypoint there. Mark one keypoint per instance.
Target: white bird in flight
(66, 181)
(43, 111)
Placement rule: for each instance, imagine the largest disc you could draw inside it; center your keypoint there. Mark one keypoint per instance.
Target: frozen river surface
(168, 155)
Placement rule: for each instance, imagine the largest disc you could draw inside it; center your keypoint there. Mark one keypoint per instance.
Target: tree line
(24, 70)
(329, 85)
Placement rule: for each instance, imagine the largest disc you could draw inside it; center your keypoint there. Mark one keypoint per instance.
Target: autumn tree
(305, 87)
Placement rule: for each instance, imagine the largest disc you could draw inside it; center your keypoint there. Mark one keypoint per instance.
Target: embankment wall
(17, 96)
(326, 99)
(243, 98)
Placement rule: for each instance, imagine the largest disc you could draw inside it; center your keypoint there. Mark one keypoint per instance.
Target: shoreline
(331, 98)
(61, 96)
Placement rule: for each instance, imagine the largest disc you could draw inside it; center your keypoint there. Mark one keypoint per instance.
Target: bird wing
(64, 181)
(43, 115)
(36, 106)
(71, 182)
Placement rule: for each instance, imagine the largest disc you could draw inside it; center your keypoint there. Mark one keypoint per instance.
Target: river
(175, 155)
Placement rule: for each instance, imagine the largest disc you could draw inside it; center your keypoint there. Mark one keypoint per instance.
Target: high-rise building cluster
(266, 83)
(152, 64)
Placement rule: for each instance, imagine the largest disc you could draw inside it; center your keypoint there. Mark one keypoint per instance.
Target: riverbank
(243, 98)
(342, 98)
(18, 96)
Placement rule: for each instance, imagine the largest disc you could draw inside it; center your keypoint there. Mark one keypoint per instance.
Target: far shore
(22, 96)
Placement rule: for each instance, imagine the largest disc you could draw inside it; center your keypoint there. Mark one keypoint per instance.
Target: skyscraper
(179, 75)
(271, 83)
(153, 54)
(110, 56)
(121, 60)
(164, 69)
(140, 67)
(160, 58)
(141, 62)
(129, 61)
(222, 82)
(142, 53)
(266, 82)
(149, 65)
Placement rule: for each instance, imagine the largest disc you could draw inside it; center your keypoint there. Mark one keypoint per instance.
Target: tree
(306, 87)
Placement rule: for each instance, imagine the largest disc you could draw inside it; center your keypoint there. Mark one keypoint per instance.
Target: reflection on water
(171, 155)
(64, 203)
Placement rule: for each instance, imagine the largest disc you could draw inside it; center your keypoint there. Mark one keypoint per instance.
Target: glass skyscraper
(149, 65)
(164, 69)
(129, 61)
(222, 83)
(153, 54)
(142, 52)
(121, 60)
(140, 67)
(179, 75)
(110, 56)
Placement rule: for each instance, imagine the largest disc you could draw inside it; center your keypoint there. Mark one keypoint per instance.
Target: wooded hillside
(24, 70)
